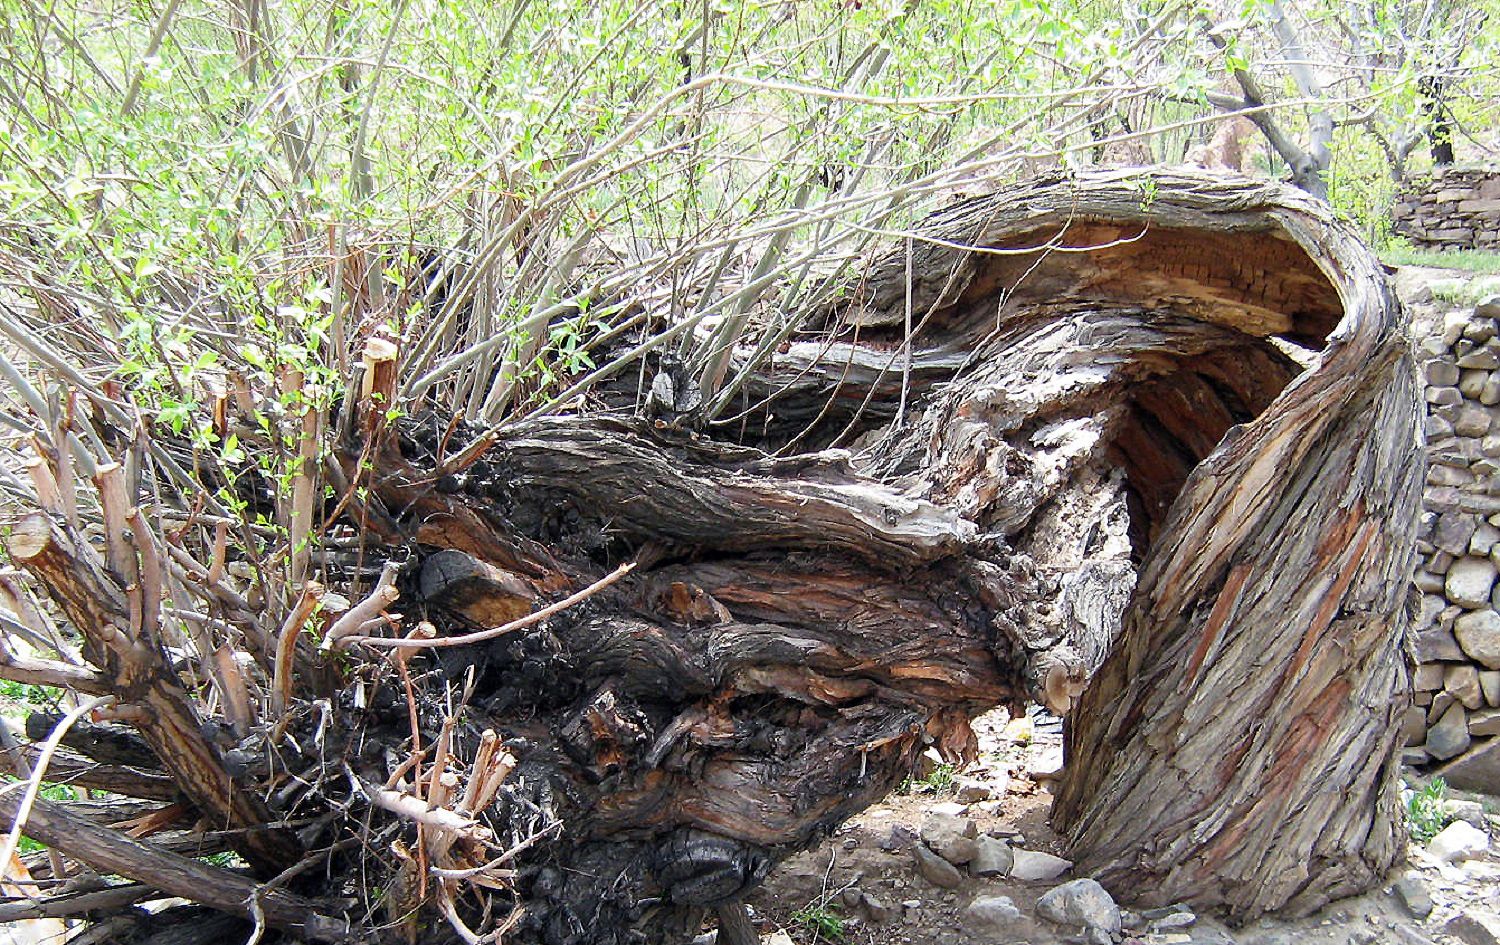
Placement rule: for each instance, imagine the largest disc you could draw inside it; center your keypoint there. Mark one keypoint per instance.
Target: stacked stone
(1456, 719)
(1458, 208)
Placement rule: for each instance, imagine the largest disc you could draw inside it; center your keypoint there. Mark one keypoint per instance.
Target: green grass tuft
(1426, 812)
(822, 923)
(1467, 260)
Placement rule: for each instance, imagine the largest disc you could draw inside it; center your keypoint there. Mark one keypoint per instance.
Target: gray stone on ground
(1479, 634)
(973, 790)
(877, 910)
(1470, 812)
(992, 858)
(1035, 866)
(1174, 920)
(951, 837)
(1469, 581)
(1449, 738)
(898, 838)
(1459, 840)
(1412, 893)
(993, 914)
(935, 869)
(1474, 928)
(1080, 904)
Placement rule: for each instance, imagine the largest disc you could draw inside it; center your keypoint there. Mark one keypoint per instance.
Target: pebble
(1082, 904)
(1034, 866)
(1459, 840)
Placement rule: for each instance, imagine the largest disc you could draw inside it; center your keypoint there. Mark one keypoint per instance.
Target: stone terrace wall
(1457, 209)
(1455, 724)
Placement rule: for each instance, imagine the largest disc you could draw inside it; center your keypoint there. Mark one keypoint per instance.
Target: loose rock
(1459, 840)
(992, 858)
(1413, 896)
(1081, 904)
(993, 914)
(952, 838)
(1034, 866)
(935, 869)
(1475, 928)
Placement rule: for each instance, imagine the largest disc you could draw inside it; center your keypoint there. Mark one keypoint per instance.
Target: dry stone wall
(1454, 727)
(1457, 209)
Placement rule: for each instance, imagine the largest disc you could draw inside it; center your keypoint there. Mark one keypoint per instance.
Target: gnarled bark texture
(1162, 408)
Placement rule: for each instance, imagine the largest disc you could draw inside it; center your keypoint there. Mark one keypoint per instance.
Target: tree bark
(1238, 748)
(1112, 368)
(1162, 421)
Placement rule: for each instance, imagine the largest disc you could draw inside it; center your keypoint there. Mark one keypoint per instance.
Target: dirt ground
(861, 885)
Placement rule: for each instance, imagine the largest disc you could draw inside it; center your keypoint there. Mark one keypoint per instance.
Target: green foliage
(821, 924)
(1426, 810)
(28, 697)
(221, 200)
(940, 780)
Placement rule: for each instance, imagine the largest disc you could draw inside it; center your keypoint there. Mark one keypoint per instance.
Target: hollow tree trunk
(800, 627)
(1123, 446)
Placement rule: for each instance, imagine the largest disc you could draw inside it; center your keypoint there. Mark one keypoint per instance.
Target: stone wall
(1457, 209)
(1455, 725)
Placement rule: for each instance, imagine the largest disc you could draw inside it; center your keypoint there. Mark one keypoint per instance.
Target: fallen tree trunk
(1134, 412)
